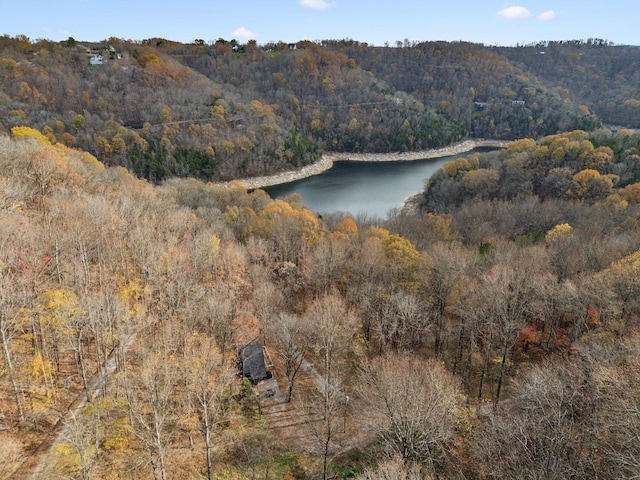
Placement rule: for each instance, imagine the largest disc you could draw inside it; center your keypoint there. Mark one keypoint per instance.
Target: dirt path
(34, 465)
(291, 424)
(284, 418)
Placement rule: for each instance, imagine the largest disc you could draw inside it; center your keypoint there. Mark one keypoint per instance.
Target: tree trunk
(325, 458)
(290, 391)
(438, 333)
(468, 369)
(83, 371)
(14, 385)
(159, 448)
(207, 441)
(505, 351)
(459, 347)
(485, 363)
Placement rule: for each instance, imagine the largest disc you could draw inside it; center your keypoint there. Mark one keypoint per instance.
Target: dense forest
(224, 110)
(603, 76)
(488, 333)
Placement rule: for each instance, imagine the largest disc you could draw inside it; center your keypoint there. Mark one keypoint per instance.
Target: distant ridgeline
(222, 110)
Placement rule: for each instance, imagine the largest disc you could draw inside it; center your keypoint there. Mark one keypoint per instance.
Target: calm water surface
(371, 188)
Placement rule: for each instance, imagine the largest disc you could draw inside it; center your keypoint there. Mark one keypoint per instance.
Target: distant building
(517, 103)
(480, 105)
(96, 60)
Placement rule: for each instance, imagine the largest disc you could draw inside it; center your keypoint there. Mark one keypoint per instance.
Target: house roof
(253, 365)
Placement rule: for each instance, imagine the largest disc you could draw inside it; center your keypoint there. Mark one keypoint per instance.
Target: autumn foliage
(498, 323)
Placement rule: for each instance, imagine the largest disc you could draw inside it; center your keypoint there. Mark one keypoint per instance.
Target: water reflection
(364, 188)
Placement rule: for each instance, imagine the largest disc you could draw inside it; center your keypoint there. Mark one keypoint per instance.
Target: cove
(365, 188)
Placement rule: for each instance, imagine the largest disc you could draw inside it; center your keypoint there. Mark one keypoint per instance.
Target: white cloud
(317, 4)
(514, 12)
(548, 15)
(243, 33)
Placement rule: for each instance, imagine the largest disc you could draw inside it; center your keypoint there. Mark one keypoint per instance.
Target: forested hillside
(131, 302)
(575, 165)
(603, 76)
(227, 110)
(477, 86)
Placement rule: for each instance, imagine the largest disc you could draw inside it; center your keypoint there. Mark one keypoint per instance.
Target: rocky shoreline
(326, 162)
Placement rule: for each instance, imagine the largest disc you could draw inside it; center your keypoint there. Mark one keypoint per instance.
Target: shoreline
(327, 160)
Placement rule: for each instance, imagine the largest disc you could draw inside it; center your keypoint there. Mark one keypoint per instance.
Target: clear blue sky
(372, 21)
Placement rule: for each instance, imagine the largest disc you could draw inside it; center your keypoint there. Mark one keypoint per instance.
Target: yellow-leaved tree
(348, 227)
(99, 429)
(293, 228)
(64, 326)
(402, 256)
(623, 278)
(588, 184)
(562, 250)
(559, 233)
(28, 133)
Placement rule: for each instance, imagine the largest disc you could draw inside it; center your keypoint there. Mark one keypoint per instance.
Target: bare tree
(504, 295)
(106, 315)
(332, 328)
(150, 403)
(441, 284)
(82, 438)
(411, 406)
(618, 410)
(327, 262)
(267, 299)
(10, 328)
(542, 432)
(404, 321)
(17, 294)
(76, 327)
(291, 335)
(510, 290)
(394, 469)
(324, 408)
(209, 384)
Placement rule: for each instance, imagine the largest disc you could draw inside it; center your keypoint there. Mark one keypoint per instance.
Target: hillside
(604, 77)
(123, 306)
(575, 165)
(229, 110)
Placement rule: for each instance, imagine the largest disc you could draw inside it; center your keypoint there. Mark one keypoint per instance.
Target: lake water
(371, 188)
